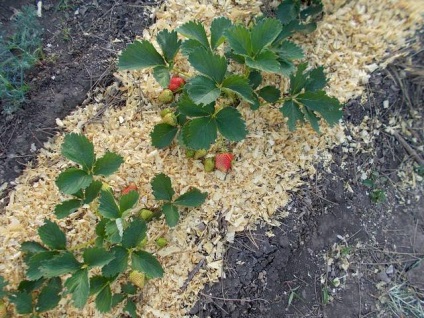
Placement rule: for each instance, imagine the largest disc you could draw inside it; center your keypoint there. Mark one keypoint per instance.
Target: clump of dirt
(353, 241)
(80, 42)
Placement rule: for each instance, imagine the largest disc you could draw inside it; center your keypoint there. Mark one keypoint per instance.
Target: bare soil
(337, 234)
(80, 42)
(334, 232)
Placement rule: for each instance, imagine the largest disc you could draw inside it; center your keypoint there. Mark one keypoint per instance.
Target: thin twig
(408, 148)
(192, 273)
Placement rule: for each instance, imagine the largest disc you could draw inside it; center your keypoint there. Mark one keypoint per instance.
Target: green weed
(18, 53)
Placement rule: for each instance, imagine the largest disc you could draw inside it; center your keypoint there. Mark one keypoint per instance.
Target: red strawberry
(176, 83)
(131, 187)
(223, 161)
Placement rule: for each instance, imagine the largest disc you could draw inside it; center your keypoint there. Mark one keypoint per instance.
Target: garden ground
(347, 249)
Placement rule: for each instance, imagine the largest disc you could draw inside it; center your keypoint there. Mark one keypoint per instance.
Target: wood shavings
(350, 41)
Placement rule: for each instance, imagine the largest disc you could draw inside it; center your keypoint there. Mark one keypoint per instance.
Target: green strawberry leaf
(312, 119)
(35, 262)
(107, 205)
(30, 285)
(3, 284)
(32, 247)
(104, 299)
(231, 124)
(162, 187)
(163, 135)
(209, 64)
(101, 227)
(114, 231)
(189, 46)
(92, 191)
(145, 262)
(131, 308)
(134, 233)
(117, 298)
(97, 283)
(311, 11)
(139, 55)
(129, 289)
(317, 79)
(255, 79)
(52, 236)
(22, 302)
(305, 28)
(79, 286)
(265, 61)
(292, 111)
(97, 256)
(290, 51)
(298, 80)
(239, 85)
(271, 94)
(286, 67)
(218, 27)
(72, 180)
(288, 11)
(78, 149)
(161, 75)
(119, 264)
(240, 40)
(171, 213)
(169, 44)
(67, 207)
(108, 164)
(194, 30)
(192, 198)
(318, 101)
(256, 103)
(187, 107)
(202, 90)
(64, 263)
(264, 33)
(128, 201)
(49, 296)
(200, 133)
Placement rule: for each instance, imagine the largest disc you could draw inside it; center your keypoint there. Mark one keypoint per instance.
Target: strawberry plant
(208, 102)
(92, 269)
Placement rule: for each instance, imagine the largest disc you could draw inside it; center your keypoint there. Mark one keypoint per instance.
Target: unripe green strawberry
(200, 153)
(137, 278)
(190, 153)
(146, 214)
(3, 309)
(165, 112)
(170, 119)
(162, 242)
(209, 164)
(166, 96)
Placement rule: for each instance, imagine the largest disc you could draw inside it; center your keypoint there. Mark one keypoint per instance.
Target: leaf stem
(180, 72)
(82, 245)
